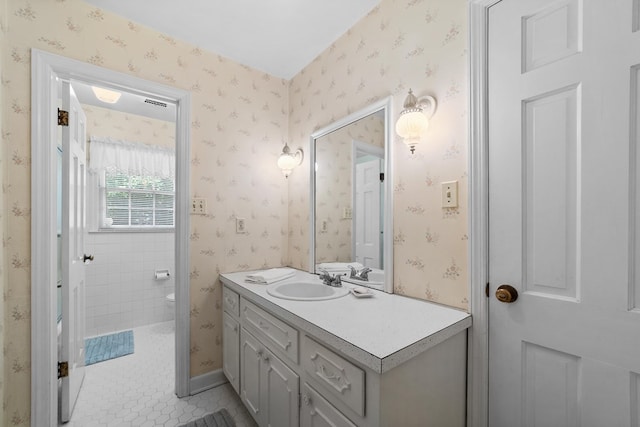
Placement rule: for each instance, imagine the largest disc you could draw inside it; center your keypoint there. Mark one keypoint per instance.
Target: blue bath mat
(105, 347)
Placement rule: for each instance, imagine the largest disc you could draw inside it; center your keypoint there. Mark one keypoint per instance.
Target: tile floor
(137, 390)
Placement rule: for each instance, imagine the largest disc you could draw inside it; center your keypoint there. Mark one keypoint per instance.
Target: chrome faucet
(330, 280)
(363, 275)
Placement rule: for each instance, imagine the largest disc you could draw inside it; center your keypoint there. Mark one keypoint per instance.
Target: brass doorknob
(506, 293)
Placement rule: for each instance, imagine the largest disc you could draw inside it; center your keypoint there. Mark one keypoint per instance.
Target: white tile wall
(121, 289)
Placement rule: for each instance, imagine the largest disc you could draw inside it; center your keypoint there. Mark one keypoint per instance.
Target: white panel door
(231, 350)
(250, 379)
(73, 262)
(563, 184)
(367, 213)
(280, 392)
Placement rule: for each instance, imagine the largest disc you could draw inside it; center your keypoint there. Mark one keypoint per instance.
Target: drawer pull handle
(306, 399)
(327, 375)
(263, 325)
(265, 358)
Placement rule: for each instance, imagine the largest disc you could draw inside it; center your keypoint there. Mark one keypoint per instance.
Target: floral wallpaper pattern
(400, 44)
(240, 120)
(105, 122)
(333, 185)
(239, 124)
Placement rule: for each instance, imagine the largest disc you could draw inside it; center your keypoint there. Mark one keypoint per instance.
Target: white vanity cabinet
(231, 350)
(315, 411)
(268, 388)
(231, 337)
(339, 363)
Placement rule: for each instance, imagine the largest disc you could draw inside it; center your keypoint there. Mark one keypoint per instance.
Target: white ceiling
(279, 37)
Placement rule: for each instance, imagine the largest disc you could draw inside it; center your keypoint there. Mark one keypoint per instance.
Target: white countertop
(380, 332)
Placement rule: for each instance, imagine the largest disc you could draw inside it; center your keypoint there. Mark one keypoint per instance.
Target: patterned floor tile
(137, 390)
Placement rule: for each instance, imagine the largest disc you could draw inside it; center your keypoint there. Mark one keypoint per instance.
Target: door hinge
(63, 118)
(381, 176)
(63, 369)
(486, 290)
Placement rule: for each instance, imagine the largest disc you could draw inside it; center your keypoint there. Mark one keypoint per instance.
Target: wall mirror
(351, 197)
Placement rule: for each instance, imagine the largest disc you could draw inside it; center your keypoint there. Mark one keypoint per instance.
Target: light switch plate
(450, 194)
(198, 206)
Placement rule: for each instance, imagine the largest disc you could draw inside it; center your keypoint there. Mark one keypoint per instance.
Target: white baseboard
(206, 381)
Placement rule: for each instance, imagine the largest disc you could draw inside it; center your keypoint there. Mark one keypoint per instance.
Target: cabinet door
(317, 412)
(251, 351)
(231, 350)
(280, 390)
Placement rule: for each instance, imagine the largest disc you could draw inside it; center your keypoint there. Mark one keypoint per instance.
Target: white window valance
(111, 155)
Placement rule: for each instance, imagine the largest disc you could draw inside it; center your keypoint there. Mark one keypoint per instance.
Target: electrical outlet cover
(240, 225)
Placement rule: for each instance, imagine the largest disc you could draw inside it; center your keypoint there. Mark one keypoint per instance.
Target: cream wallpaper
(333, 185)
(3, 215)
(239, 124)
(105, 122)
(240, 120)
(401, 44)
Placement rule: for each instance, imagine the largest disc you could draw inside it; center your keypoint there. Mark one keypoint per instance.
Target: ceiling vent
(156, 103)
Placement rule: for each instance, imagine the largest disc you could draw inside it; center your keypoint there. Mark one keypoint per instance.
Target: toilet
(171, 300)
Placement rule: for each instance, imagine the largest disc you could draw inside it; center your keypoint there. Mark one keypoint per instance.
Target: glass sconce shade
(412, 126)
(413, 122)
(288, 161)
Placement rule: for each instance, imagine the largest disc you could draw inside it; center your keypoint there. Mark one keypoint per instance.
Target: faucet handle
(364, 273)
(337, 281)
(353, 272)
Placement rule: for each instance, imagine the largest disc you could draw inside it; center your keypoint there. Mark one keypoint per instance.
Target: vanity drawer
(337, 375)
(282, 336)
(316, 411)
(230, 301)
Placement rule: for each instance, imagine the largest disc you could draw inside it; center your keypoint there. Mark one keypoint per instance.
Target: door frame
(478, 346)
(45, 68)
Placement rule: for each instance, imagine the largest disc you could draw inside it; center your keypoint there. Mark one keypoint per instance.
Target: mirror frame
(384, 105)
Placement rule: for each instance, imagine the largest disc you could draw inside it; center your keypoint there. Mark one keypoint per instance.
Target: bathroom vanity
(386, 360)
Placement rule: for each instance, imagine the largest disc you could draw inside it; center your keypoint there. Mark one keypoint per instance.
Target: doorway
(368, 213)
(128, 284)
(47, 71)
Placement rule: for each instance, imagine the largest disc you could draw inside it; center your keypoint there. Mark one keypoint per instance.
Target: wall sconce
(288, 161)
(413, 122)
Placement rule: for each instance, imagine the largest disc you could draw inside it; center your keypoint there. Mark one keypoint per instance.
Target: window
(134, 201)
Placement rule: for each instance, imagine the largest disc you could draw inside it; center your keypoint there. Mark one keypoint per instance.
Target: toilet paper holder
(162, 274)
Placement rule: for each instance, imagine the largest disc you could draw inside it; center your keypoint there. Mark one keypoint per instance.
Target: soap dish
(360, 292)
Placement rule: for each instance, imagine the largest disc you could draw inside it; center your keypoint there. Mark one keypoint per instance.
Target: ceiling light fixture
(106, 95)
(413, 122)
(288, 161)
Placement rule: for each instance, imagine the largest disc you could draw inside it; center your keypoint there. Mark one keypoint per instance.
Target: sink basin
(305, 291)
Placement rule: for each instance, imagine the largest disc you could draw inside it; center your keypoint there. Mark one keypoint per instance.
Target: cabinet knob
(265, 358)
(306, 399)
